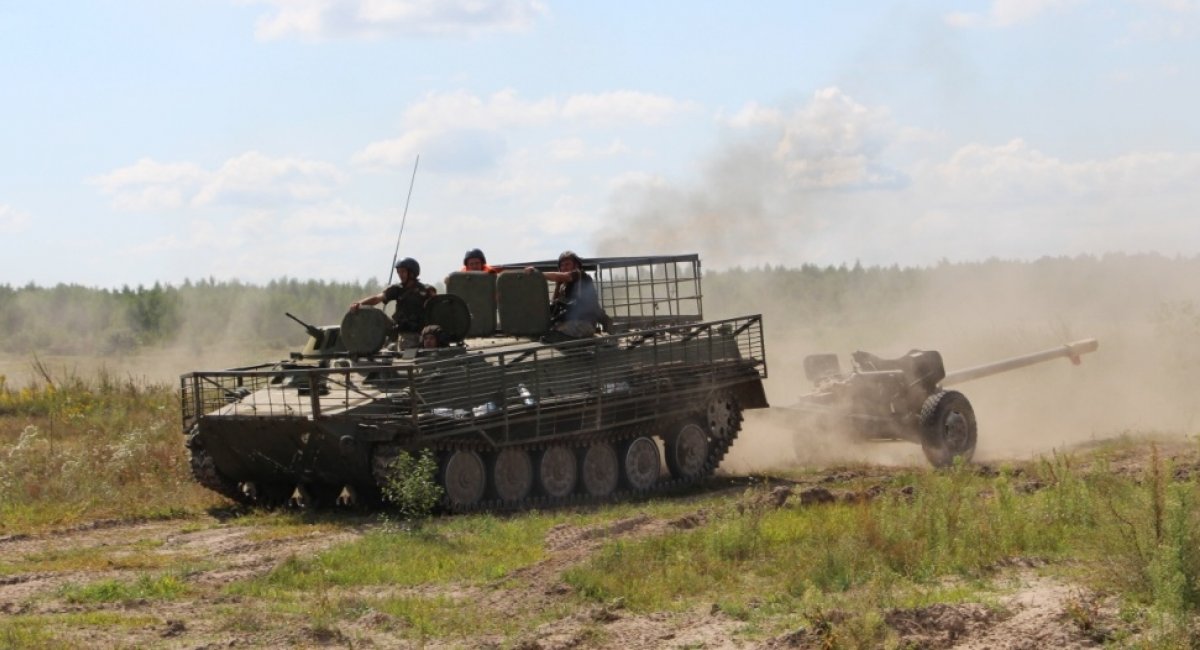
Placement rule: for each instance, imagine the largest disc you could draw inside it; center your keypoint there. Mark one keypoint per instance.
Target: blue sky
(255, 139)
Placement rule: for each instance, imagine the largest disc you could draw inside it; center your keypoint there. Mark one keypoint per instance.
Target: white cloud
(150, 185)
(372, 19)
(821, 184)
(1006, 13)
(255, 179)
(473, 130)
(622, 106)
(833, 142)
(575, 148)
(12, 221)
(249, 179)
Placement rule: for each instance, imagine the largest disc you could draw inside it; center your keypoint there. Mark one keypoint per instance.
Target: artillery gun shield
(365, 331)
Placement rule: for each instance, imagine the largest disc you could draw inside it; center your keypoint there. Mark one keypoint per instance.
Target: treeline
(73, 319)
(906, 303)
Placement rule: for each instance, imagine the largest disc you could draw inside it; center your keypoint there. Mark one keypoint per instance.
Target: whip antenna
(404, 218)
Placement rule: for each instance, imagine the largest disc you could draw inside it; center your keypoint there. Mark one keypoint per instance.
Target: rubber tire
(685, 458)
(557, 472)
(641, 464)
(599, 470)
(948, 428)
(464, 477)
(511, 473)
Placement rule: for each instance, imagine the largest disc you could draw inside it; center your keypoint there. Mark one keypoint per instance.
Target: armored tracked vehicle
(905, 398)
(514, 423)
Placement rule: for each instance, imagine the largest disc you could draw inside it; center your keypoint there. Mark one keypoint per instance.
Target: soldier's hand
(354, 306)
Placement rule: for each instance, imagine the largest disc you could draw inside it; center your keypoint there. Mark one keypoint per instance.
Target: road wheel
(600, 470)
(724, 415)
(687, 450)
(641, 464)
(557, 472)
(464, 478)
(512, 475)
(947, 428)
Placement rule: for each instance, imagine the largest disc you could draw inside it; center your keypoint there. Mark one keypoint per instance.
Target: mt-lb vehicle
(652, 404)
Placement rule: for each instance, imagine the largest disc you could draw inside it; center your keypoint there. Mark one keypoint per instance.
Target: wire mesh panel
(515, 393)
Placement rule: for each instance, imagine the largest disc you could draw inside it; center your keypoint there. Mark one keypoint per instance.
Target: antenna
(403, 219)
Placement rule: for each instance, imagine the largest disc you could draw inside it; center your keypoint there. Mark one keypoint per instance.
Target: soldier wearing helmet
(432, 336)
(410, 296)
(575, 309)
(474, 260)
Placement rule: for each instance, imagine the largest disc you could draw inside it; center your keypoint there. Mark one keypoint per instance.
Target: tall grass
(75, 449)
(1135, 536)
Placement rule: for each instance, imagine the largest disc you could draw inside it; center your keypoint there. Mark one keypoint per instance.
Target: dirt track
(1032, 611)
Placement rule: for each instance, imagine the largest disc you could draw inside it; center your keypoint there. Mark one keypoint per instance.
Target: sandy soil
(1032, 611)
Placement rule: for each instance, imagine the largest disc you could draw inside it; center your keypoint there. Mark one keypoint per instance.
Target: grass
(46, 631)
(145, 587)
(75, 450)
(1138, 536)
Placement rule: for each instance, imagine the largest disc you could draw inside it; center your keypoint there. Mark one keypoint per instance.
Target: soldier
(432, 336)
(410, 296)
(576, 308)
(474, 260)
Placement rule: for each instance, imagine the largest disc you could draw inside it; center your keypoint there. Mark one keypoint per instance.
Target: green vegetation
(1136, 536)
(75, 449)
(79, 449)
(412, 487)
(162, 587)
(72, 319)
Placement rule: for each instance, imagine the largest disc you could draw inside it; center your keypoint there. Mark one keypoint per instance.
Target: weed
(163, 587)
(412, 484)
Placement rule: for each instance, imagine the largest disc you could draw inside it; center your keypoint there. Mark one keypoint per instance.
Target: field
(106, 542)
(1078, 525)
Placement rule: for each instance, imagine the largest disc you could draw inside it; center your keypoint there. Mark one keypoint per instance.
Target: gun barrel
(313, 331)
(1071, 351)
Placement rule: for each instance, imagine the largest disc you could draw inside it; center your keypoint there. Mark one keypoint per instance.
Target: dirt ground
(1033, 611)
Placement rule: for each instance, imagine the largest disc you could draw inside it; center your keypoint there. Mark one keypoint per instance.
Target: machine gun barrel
(1071, 351)
(313, 331)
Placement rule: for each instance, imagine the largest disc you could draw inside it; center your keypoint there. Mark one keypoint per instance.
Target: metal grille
(527, 391)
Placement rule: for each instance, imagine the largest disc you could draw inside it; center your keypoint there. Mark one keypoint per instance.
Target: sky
(250, 140)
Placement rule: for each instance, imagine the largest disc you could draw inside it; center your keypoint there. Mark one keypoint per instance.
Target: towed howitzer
(905, 398)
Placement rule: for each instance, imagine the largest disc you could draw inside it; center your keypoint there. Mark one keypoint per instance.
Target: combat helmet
(411, 265)
(570, 255)
(474, 254)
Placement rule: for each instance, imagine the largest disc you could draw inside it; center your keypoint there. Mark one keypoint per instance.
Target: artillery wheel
(600, 470)
(724, 415)
(464, 477)
(948, 428)
(512, 475)
(641, 464)
(557, 472)
(687, 451)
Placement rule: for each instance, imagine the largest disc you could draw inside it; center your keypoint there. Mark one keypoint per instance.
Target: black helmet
(411, 265)
(570, 255)
(474, 254)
